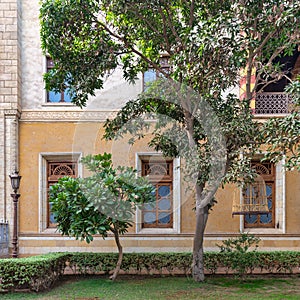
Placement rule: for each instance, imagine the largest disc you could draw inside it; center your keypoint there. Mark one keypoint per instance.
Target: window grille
(273, 103)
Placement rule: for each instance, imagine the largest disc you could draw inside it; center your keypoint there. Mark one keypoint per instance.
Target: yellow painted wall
(293, 202)
(36, 138)
(39, 137)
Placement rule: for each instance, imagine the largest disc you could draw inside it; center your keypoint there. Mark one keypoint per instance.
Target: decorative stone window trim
(176, 196)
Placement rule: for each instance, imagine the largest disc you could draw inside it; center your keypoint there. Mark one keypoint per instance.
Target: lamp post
(15, 184)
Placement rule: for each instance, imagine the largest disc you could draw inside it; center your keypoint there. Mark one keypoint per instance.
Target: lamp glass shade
(15, 180)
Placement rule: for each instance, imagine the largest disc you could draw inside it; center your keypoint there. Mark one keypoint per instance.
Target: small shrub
(240, 244)
(236, 249)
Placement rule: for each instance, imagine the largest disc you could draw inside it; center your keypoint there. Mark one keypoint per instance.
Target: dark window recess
(287, 66)
(271, 98)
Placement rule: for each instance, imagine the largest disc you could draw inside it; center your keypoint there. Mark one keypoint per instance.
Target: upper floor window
(271, 97)
(57, 97)
(151, 74)
(288, 65)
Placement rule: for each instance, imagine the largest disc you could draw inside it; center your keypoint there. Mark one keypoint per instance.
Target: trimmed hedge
(38, 273)
(283, 262)
(35, 273)
(136, 263)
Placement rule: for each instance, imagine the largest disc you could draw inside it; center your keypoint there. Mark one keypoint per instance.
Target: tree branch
(165, 30)
(131, 48)
(171, 26)
(192, 17)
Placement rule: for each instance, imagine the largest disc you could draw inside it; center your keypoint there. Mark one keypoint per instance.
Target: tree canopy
(207, 45)
(101, 203)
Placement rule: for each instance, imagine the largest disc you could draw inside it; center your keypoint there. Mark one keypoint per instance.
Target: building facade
(44, 136)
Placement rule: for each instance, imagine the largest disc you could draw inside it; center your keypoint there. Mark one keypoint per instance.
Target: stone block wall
(10, 100)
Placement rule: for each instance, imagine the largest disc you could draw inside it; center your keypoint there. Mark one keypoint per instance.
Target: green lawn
(143, 288)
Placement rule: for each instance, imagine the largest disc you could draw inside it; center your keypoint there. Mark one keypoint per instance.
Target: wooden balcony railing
(273, 103)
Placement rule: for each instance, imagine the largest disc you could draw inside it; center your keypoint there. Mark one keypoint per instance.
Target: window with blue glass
(56, 170)
(151, 74)
(160, 213)
(267, 171)
(57, 97)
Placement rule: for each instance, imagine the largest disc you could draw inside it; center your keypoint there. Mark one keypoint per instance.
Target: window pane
(266, 218)
(67, 97)
(164, 204)
(164, 218)
(52, 219)
(164, 190)
(149, 206)
(62, 96)
(251, 219)
(54, 97)
(149, 217)
(149, 76)
(269, 190)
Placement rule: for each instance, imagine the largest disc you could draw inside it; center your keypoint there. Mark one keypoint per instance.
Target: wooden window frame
(159, 180)
(268, 179)
(53, 176)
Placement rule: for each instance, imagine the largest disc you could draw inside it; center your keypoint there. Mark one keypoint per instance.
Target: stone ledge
(66, 116)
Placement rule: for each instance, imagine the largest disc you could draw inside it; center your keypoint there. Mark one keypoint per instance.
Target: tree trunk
(201, 220)
(120, 258)
(201, 204)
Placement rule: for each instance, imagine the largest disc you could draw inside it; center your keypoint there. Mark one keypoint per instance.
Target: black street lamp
(15, 184)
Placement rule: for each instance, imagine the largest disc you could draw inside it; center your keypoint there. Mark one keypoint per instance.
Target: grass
(167, 288)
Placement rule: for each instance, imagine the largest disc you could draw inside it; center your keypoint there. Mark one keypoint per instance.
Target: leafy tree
(104, 202)
(207, 43)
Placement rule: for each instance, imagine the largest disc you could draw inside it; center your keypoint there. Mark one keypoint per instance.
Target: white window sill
(50, 231)
(59, 104)
(267, 116)
(263, 231)
(157, 231)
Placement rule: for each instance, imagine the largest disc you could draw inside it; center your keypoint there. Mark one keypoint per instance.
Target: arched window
(267, 171)
(56, 170)
(160, 213)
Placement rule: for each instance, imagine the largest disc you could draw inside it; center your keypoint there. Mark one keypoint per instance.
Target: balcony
(272, 103)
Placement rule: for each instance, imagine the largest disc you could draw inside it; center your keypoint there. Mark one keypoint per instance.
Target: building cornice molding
(12, 113)
(67, 116)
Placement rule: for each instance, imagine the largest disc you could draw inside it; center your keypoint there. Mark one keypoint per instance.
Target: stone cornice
(66, 116)
(12, 113)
